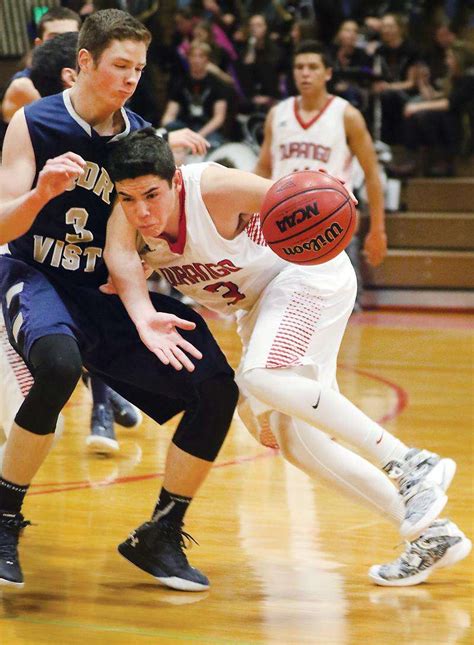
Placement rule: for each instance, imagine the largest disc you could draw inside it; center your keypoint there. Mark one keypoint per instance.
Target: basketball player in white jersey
(315, 130)
(188, 225)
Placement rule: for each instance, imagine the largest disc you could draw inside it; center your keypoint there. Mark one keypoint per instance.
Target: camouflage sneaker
(441, 545)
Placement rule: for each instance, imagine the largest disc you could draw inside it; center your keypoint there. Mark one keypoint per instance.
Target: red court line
(400, 404)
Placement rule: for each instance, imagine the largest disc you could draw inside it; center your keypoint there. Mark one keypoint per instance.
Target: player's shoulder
(136, 121)
(47, 105)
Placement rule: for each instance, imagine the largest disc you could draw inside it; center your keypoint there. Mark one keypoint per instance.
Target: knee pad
(55, 363)
(205, 424)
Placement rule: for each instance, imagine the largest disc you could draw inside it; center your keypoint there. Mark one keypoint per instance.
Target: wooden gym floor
(287, 557)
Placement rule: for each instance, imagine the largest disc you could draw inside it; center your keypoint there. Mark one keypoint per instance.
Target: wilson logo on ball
(308, 217)
(317, 243)
(298, 216)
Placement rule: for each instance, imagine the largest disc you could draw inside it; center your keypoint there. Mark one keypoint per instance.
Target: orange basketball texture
(308, 217)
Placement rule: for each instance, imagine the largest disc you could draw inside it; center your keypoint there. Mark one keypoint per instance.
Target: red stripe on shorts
(17, 364)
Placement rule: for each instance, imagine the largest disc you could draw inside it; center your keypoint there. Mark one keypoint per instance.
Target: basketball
(308, 217)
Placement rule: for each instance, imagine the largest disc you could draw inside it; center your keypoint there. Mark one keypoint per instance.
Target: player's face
(55, 27)
(150, 204)
(118, 70)
(310, 73)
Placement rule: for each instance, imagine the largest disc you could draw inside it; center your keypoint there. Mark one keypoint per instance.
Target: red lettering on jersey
(231, 293)
(168, 275)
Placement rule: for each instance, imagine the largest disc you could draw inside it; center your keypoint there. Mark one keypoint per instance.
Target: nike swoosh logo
(315, 407)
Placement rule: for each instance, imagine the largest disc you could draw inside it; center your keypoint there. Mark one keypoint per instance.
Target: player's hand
(160, 334)
(186, 138)
(341, 181)
(59, 174)
(375, 247)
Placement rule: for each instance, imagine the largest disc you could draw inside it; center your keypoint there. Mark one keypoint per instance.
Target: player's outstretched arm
(19, 202)
(158, 331)
(360, 142)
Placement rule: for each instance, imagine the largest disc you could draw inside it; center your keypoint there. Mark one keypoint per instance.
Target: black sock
(171, 507)
(11, 496)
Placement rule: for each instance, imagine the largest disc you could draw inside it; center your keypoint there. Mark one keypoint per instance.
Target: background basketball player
(316, 130)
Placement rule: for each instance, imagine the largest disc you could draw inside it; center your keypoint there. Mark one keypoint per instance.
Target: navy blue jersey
(23, 73)
(67, 238)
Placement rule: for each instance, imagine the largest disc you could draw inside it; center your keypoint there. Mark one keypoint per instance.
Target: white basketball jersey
(223, 275)
(319, 143)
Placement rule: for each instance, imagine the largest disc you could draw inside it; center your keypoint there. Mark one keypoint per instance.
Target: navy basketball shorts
(31, 306)
(110, 345)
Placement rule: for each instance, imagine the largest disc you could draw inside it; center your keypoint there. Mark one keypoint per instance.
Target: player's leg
(108, 406)
(40, 330)
(321, 458)
(208, 397)
(440, 545)
(295, 377)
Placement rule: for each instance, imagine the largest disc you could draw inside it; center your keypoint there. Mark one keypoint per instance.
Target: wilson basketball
(308, 217)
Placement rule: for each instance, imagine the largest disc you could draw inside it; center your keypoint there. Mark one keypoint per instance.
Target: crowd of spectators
(408, 65)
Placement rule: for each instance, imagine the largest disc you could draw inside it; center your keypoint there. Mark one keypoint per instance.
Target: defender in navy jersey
(55, 200)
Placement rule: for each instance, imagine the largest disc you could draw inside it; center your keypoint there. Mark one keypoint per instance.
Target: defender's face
(118, 70)
(149, 203)
(310, 73)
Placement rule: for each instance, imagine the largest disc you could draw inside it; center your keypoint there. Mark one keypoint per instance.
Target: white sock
(316, 454)
(304, 398)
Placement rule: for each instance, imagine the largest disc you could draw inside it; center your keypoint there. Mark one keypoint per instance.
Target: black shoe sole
(180, 584)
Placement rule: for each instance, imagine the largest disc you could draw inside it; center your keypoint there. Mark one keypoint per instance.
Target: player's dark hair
(141, 153)
(58, 13)
(49, 59)
(313, 47)
(102, 27)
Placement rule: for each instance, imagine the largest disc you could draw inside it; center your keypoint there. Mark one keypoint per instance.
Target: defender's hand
(160, 335)
(186, 138)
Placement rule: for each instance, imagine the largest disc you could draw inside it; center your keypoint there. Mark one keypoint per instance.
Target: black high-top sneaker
(158, 549)
(10, 526)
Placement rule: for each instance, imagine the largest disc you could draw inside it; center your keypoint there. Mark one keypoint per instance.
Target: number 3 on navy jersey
(78, 217)
(232, 291)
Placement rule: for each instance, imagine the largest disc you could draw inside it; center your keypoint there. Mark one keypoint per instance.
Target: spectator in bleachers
(435, 53)
(277, 19)
(200, 101)
(434, 128)
(221, 59)
(352, 67)
(259, 66)
(396, 62)
(228, 14)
